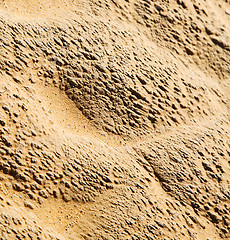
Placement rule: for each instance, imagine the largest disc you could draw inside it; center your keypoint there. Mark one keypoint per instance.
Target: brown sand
(114, 119)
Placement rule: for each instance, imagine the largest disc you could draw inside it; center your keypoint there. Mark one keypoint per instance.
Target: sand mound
(114, 120)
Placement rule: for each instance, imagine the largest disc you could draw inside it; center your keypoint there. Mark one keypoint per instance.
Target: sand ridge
(114, 120)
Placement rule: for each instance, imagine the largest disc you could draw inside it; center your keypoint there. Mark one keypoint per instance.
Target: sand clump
(114, 120)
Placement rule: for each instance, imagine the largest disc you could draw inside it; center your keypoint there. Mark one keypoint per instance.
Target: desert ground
(115, 119)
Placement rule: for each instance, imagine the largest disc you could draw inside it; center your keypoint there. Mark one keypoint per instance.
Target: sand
(114, 119)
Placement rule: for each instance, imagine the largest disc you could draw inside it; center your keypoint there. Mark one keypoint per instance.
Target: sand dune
(114, 119)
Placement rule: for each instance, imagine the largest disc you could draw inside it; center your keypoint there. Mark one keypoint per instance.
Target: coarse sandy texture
(114, 119)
